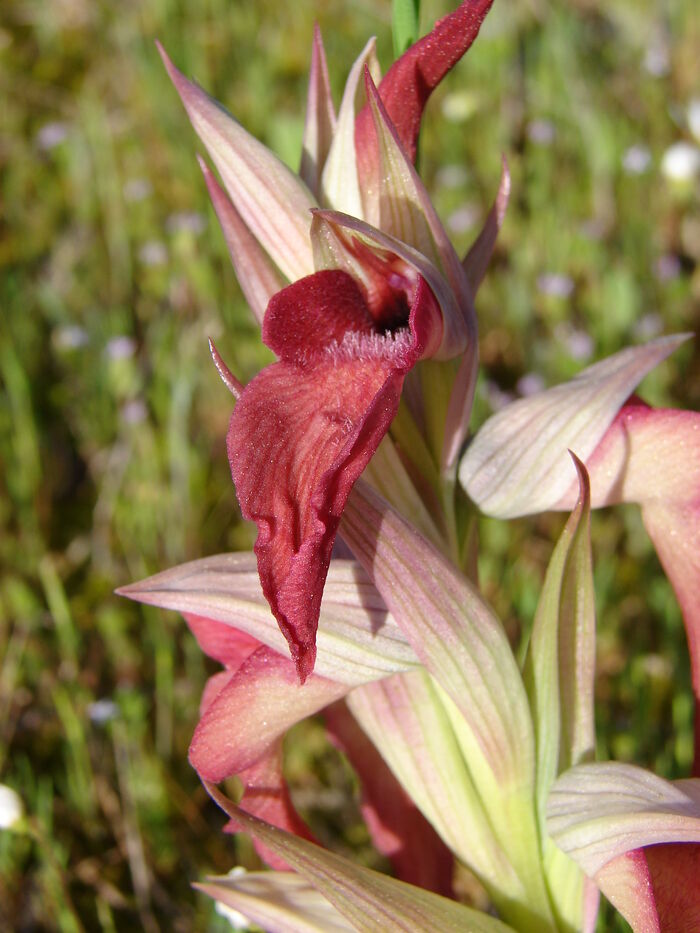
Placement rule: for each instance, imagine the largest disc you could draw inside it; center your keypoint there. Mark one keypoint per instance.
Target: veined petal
(410, 81)
(398, 829)
(340, 187)
(369, 900)
(319, 126)
(358, 641)
(404, 718)
(518, 462)
(479, 255)
(261, 701)
(258, 278)
(404, 209)
(599, 811)
(279, 902)
(559, 666)
(451, 629)
(273, 202)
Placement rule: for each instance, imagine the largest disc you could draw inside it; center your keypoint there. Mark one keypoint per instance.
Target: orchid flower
(463, 754)
(354, 281)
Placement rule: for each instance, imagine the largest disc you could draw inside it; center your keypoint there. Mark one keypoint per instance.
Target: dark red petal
(314, 312)
(398, 829)
(299, 438)
(411, 79)
(675, 874)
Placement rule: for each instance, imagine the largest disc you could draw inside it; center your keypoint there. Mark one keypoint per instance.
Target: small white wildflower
(681, 162)
(555, 284)
(451, 176)
(136, 189)
(134, 412)
(11, 807)
(636, 159)
(186, 222)
(120, 348)
(656, 59)
(51, 135)
(153, 253)
(541, 132)
(69, 337)
(463, 218)
(667, 267)
(530, 384)
(102, 711)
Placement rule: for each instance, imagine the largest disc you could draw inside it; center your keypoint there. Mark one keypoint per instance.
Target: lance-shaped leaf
(369, 900)
(518, 463)
(397, 827)
(258, 278)
(358, 639)
(320, 122)
(273, 202)
(406, 720)
(404, 24)
(403, 206)
(410, 81)
(455, 423)
(559, 667)
(279, 902)
(451, 629)
(477, 259)
(464, 647)
(340, 187)
(599, 811)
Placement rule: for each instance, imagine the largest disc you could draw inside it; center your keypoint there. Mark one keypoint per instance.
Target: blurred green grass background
(112, 419)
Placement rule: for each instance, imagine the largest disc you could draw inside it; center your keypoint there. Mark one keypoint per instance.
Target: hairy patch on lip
(359, 346)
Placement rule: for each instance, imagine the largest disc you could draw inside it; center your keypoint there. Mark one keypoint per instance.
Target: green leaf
(405, 15)
(559, 665)
(408, 723)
